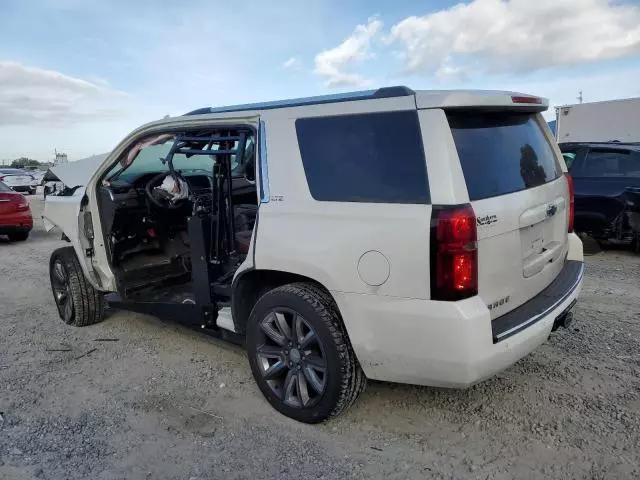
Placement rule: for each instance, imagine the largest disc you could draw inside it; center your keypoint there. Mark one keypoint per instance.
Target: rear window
(502, 152)
(611, 163)
(4, 188)
(375, 157)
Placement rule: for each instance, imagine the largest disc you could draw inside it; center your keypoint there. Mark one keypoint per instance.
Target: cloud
(293, 62)
(331, 64)
(447, 72)
(517, 36)
(31, 95)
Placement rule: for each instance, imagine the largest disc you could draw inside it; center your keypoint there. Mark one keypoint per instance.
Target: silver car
(19, 180)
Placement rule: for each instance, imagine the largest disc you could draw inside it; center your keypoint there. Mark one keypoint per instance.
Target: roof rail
(385, 92)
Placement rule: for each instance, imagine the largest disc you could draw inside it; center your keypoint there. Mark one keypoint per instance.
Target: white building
(61, 159)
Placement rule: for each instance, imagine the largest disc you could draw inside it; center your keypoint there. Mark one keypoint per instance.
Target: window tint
(376, 157)
(611, 163)
(501, 152)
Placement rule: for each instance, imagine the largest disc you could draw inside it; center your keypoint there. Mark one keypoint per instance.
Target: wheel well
(252, 284)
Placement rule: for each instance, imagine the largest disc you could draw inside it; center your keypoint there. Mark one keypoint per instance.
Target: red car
(15, 215)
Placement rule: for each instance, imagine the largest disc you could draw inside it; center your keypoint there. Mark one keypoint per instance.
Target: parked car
(417, 237)
(15, 215)
(38, 176)
(606, 178)
(18, 179)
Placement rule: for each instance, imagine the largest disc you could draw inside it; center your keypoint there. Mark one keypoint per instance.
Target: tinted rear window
(611, 163)
(502, 152)
(376, 157)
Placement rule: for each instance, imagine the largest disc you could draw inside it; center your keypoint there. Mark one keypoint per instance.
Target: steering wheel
(158, 197)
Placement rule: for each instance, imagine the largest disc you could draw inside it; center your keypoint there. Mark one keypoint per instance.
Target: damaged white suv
(408, 236)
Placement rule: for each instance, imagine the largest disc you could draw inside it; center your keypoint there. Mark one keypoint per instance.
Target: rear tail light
(525, 99)
(572, 204)
(22, 203)
(454, 253)
(15, 201)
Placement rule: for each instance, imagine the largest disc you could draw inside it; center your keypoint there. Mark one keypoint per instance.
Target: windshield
(150, 159)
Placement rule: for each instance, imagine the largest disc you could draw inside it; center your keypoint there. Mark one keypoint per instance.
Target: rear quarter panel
(326, 240)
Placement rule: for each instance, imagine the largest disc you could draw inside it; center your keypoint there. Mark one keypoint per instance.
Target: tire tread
(88, 302)
(353, 378)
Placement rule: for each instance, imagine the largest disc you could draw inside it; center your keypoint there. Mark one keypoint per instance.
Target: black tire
(342, 379)
(18, 236)
(84, 304)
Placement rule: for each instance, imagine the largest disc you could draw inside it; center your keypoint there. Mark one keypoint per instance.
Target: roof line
(385, 92)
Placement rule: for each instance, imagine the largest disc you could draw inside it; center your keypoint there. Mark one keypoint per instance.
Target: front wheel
(300, 354)
(79, 304)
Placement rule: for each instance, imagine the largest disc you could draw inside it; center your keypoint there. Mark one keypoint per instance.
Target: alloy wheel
(291, 358)
(62, 290)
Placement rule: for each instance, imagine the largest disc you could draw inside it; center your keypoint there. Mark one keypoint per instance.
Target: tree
(24, 162)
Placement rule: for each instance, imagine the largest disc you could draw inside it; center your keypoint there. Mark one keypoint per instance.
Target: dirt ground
(164, 402)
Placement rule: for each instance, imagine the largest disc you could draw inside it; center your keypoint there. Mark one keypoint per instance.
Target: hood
(74, 174)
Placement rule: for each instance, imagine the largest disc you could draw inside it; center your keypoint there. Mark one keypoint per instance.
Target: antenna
(580, 96)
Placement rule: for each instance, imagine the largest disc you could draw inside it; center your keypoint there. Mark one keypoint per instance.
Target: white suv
(408, 236)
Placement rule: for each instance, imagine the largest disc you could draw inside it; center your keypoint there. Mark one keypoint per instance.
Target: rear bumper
(448, 344)
(539, 307)
(16, 222)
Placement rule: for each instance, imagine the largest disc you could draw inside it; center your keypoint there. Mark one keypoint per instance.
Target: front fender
(63, 213)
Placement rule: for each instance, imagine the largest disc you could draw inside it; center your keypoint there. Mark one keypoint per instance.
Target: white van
(408, 236)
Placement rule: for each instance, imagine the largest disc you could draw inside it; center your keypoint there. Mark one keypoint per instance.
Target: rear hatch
(520, 197)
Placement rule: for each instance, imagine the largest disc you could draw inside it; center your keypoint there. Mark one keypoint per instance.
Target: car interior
(175, 199)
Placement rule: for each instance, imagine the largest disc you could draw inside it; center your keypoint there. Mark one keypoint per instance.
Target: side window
(611, 163)
(375, 158)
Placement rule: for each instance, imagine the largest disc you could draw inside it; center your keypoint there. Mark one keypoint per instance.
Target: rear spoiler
(480, 99)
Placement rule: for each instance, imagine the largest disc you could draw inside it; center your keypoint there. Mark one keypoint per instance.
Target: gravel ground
(165, 402)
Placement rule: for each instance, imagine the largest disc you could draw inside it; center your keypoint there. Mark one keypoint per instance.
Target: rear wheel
(79, 304)
(18, 236)
(300, 355)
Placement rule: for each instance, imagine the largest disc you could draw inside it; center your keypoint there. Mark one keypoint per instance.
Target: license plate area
(534, 238)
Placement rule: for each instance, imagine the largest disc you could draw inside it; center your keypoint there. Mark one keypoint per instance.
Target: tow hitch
(564, 319)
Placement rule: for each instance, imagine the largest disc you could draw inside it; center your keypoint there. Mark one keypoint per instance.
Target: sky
(78, 76)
